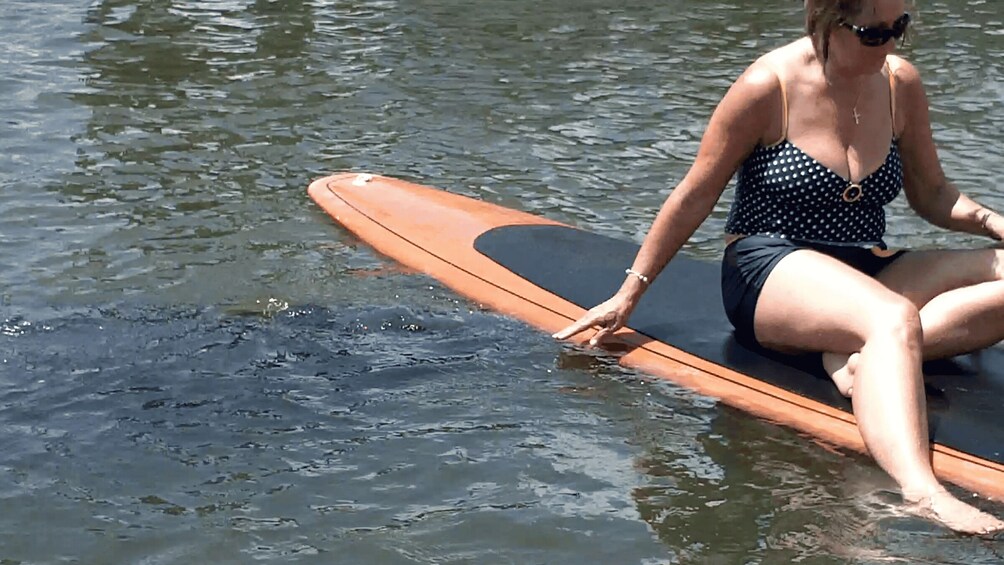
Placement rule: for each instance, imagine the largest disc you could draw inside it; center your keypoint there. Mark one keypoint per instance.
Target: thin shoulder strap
(892, 96)
(784, 106)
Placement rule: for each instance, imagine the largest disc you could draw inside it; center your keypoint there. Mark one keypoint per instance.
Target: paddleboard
(546, 274)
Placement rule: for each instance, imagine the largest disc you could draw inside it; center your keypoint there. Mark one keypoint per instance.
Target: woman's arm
(740, 121)
(929, 193)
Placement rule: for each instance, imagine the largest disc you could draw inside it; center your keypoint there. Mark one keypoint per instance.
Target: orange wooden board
(433, 231)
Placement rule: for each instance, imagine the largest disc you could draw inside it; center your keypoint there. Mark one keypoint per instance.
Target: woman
(824, 132)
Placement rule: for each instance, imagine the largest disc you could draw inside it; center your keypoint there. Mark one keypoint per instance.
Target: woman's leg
(813, 302)
(960, 294)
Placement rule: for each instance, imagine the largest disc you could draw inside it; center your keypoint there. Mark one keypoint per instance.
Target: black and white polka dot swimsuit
(786, 201)
(783, 192)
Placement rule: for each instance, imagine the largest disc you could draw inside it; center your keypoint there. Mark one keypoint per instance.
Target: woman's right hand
(608, 316)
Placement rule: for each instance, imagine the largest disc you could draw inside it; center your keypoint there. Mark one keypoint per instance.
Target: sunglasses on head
(879, 35)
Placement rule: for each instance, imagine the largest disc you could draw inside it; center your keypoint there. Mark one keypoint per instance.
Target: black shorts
(748, 262)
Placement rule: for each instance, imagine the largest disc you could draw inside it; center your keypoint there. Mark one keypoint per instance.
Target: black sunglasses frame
(876, 36)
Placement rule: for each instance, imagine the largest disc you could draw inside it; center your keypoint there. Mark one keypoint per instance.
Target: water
(196, 365)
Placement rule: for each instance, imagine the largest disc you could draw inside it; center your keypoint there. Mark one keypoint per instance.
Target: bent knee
(896, 319)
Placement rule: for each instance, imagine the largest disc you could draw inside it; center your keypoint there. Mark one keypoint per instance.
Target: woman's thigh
(813, 302)
(921, 275)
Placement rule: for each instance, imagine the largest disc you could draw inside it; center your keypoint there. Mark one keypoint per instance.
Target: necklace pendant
(857, 116)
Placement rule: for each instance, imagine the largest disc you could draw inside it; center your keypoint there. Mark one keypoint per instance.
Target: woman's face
(848, 41)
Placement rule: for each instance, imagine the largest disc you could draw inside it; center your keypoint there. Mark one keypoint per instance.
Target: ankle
(925, 493)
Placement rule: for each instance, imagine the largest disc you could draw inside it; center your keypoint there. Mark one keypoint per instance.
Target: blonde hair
(824, 16)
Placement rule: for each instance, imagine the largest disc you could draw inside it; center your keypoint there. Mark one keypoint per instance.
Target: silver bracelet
(983, 224)
(640, 276)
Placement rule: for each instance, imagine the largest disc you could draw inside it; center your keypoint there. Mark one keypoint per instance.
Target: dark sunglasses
(875, 36)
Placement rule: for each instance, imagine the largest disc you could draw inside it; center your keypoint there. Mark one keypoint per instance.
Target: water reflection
(195, 140)
(717, 492)
(159, 79)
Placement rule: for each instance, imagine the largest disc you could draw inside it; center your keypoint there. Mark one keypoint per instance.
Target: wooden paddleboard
(546, 273)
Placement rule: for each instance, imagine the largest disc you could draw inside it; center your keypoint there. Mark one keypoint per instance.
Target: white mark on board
(362, 179)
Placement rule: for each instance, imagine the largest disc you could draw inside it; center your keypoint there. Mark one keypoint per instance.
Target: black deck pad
(683, 308)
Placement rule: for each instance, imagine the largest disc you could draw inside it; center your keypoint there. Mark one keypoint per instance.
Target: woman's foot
(841, 369)
(943, 507)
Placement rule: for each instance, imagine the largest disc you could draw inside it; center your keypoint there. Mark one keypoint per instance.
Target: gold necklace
(854, 191)
(857, 116)
(854, 110)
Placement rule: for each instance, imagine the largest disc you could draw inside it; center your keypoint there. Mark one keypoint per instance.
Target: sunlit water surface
(198, 366)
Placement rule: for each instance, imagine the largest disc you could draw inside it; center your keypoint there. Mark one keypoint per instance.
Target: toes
(841, 369)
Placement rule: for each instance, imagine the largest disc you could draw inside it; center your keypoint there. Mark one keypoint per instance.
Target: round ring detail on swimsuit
(782, 191)
(852, 193)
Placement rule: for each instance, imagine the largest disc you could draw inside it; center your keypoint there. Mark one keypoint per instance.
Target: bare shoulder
(755, 103)
(780, 70)
(745, 114)
(749, 113)
(911, 100)
(924, 175)
(761, 75)
(758, 89)
(764, 78)
(904, 73)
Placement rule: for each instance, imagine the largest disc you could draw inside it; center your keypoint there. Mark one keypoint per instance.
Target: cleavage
(847, 175)
(846, 168)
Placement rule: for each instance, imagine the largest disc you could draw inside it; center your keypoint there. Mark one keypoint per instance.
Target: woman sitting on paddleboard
(823, 133)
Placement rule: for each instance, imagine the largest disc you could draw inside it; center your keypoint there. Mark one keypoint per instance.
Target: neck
(841, 77)
(845, 88)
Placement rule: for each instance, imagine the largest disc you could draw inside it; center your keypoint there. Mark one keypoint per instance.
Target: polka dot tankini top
(783, 192)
